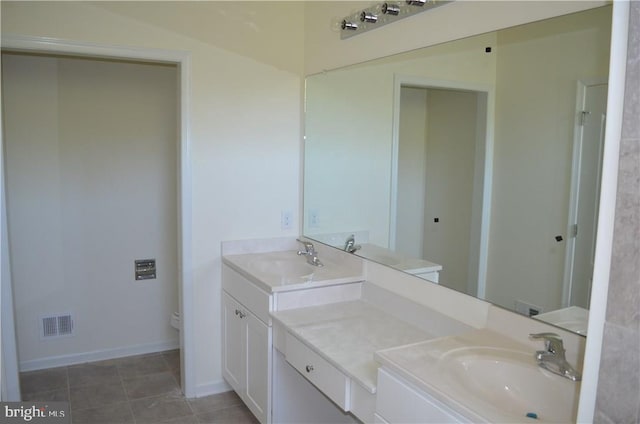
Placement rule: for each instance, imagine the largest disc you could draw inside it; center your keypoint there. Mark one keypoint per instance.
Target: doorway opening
(441, 178)
(91, 164)
(586, 175)
(180, 61)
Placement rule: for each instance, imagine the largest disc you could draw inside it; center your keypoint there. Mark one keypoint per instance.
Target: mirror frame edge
(608, 191)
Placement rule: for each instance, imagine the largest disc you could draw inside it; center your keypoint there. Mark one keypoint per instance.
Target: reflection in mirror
(473, 164)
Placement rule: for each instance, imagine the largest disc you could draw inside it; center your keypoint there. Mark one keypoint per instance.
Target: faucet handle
(308, 248)
(552, 342)
(307, 244)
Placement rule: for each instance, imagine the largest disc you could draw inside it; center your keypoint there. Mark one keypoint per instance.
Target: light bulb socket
(390, 9)
(368, 17)
(351, 26)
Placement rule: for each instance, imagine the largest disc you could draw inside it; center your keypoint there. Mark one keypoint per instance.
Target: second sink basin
(510, 381)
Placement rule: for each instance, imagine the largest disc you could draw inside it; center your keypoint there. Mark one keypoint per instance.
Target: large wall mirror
(474, 164)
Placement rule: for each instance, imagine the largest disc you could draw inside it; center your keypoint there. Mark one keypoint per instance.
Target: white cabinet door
(258, 349)
(246, 356)
(233, 343)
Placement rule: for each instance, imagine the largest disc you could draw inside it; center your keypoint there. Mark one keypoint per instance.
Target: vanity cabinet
(253, 289)
(399, 402)
(246, 346)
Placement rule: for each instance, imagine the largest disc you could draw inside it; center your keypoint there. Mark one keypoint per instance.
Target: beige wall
(533, 151)
(245, 129)
(450, 163)
(348, 126)
(91, 164)
(412, 172)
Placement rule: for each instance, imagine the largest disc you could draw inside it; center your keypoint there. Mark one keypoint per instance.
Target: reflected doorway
(439, 184)
(591, 109)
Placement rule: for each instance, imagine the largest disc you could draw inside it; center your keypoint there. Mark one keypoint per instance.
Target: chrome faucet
(350, 245)
(552, 358)
(310, 252)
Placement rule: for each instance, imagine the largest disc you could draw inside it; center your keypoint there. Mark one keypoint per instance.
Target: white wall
(91, 187)
(245, 129)
(533, 151)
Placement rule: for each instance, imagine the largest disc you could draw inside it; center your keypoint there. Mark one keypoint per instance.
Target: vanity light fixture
(384, 13)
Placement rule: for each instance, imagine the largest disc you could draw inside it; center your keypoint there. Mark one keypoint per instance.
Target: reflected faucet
(350, 245)
(552, 358)
(310, 252)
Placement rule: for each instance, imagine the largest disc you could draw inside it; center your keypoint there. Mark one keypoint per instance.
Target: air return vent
(56, 326)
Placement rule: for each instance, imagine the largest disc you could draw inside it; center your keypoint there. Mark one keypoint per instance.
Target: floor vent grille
(57, 326)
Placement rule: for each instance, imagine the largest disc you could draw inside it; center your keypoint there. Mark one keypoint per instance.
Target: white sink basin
(511, 383)
(285, 268)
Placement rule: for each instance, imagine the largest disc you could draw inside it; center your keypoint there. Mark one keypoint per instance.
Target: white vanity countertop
(285, 270)
(348, 333)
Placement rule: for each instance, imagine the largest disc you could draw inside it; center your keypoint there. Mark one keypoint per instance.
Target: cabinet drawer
(247, 293)
(333, 383)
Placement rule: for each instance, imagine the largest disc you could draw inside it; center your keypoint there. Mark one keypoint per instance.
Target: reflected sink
(382, 258)
(510, 383)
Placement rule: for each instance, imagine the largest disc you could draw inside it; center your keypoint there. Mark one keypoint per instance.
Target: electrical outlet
(314, 218)
(286, 220)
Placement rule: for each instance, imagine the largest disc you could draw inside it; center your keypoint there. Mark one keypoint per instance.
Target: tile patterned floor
(137, 389)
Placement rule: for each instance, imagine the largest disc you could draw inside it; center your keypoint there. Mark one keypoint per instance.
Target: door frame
(578, 131)
(182, 59)
(480, 236)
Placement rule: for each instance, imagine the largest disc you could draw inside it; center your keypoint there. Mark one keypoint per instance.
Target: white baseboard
(97, 355)
(212, 388)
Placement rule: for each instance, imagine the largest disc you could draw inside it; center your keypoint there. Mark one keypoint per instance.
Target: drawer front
(333, 383)
(247, 293)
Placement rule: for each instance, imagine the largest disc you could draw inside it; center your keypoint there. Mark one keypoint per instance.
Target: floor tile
(151, 385)
(92, 374)
(126, 390)
(161, 408)
(137, 366)
(97, 395)
(172, 358)
(238, 414)
(43, 380)
(214, 402)
(58, 395)
(190, 419)
(119, 413)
